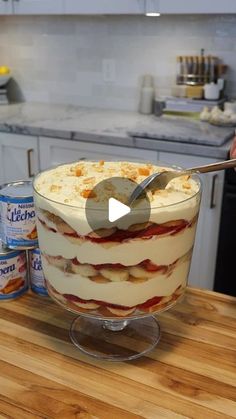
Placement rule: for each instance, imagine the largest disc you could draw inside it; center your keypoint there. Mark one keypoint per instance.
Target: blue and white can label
(37, 280)
(13, 274)
(18, 220)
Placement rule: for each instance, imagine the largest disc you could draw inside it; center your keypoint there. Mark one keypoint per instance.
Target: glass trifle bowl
(116, 275)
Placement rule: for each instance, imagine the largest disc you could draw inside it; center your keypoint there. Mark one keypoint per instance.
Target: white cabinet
(202, 270)
(93, 7)
(6, 7)
(32, 7)
(18, 157)
(195, 7)
(54, 151)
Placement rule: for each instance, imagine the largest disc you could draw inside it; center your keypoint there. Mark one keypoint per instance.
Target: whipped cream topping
(63, 191)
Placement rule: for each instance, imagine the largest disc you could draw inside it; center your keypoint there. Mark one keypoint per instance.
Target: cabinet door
(202, 270)
(22, 7)
(104, 7)
(18, 157)
(6, 7)
(56, 151)
(199, 6)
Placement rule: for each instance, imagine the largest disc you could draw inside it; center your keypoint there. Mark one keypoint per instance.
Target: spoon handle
(214, 166)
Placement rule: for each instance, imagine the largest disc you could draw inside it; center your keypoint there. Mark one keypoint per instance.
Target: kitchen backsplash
(64, 59)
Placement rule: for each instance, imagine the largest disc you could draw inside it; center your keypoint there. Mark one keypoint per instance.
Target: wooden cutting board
(190, 374)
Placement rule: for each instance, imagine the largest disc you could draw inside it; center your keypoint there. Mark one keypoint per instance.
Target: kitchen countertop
(190, 374)
(183, 130)
(122, 128)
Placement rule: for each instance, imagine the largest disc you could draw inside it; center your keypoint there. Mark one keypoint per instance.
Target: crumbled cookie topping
(73, 183)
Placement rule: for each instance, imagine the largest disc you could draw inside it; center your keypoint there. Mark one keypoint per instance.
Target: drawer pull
(213, 192)
(29, 152)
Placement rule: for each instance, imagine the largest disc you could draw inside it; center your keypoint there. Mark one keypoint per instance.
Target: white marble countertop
(116, 127)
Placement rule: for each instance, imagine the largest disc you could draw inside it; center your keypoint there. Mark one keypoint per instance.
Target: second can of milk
(37, 280)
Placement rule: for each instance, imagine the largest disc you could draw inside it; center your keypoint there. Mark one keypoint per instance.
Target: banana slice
(59, 297)
(102, 232)
(88, 306)
(134, 280)
(64, 228)
(99, 279)
(84, 270)
(121, 313)
(58, 262)
(115, 275)
(138, 272)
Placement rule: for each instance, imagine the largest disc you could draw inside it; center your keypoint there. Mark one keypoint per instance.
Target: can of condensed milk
(17, 215)
(37, 280)
(13, 273)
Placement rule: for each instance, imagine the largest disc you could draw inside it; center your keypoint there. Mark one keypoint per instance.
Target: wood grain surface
(190, 374)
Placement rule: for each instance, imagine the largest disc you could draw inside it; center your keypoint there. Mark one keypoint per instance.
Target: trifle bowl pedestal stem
(119, 340)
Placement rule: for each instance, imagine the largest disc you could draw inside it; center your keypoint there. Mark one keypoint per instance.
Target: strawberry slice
(151, 302)
(151, 267)
(75, 261)
(45, 225)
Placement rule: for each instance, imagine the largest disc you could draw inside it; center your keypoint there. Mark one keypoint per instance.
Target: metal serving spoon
(160, 180)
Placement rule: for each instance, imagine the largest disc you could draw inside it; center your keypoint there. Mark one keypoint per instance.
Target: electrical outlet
(108, 70)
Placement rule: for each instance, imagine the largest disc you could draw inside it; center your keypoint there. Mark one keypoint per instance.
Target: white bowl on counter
(211, 91)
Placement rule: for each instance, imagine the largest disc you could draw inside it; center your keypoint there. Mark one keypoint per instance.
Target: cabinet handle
(29, 151)
(213, 192)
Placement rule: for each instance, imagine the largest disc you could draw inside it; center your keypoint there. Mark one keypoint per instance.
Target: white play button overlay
(117, 210)
(110, 216)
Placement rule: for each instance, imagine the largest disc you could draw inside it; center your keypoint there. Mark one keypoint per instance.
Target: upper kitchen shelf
(123, 7)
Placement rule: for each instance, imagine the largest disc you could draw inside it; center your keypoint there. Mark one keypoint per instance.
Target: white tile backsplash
(59, 58)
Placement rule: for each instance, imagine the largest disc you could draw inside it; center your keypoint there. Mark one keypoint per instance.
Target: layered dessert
(123, 269)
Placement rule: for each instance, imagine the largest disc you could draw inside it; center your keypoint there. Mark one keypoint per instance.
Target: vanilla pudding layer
(126, 294)
(160, 250)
